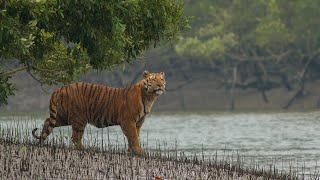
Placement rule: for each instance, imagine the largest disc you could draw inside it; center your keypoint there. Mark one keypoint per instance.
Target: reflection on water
(279, 138)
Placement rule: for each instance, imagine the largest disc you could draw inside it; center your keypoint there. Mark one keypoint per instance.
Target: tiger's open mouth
(159, 91)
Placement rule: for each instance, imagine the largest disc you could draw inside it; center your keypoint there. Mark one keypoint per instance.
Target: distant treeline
(235, 45)
(262, 44)
(246, 45)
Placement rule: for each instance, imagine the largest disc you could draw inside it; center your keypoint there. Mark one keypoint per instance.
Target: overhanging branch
(7, 73)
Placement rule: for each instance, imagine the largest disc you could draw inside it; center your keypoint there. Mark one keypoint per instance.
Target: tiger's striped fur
(81, 103)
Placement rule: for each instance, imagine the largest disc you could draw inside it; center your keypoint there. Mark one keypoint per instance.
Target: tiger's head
(154, 83)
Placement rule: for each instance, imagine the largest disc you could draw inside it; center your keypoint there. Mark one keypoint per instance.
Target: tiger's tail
(49, 123)
(34, 133)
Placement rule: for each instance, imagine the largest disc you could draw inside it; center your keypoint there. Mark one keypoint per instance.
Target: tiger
(79, 104)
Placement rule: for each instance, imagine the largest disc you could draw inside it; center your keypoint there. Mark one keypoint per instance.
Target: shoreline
(27, 161)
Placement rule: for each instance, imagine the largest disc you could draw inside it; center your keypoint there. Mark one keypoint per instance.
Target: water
(282, 139)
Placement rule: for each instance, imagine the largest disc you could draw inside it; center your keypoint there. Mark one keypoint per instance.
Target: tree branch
(7, 73)
(257, 58)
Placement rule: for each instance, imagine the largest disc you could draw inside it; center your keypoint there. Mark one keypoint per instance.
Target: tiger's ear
(145, 73)
(162, 73)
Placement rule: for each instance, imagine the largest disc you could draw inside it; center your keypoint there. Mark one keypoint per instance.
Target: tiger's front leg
(129, 129)
(139, 125)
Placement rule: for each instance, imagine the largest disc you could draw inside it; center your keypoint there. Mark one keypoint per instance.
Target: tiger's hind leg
(78, 125)
(77, 135)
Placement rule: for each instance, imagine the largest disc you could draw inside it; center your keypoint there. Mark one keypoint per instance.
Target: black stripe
(65, 109)
(98, 122)
(94, 92)
(93, 101)
(88, 108)
(66, 89)
(115, 95)
(105, 96)
(95, 114)
(122, 90)
(98, 94)
(85, 88)
(75, 101)
(90, 90)
(96, 110)
(89, 95)
(82, 95)
(61, 101)
(71, 91)
(85, 100)
(109, 103)
(52, 110)
(51, 124)
(77, 86)
(52, 117)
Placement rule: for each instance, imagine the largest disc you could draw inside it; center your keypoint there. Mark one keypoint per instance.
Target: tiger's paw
(79, 146)
(136, 151)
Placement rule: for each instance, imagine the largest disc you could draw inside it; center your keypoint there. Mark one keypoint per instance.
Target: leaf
(33, 23)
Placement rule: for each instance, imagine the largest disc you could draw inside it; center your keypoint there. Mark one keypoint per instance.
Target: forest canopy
(57, 40)
(260, 44)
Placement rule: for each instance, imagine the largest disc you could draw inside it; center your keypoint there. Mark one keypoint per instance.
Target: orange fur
(78, 104)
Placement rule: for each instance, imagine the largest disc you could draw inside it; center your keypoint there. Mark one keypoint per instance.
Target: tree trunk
(234, 80)
(299, 93)
(263, 78)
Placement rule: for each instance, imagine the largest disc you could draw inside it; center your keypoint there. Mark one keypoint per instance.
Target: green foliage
(212, 48)
(210, 41)
(260, 42)
(6, 90)
(71, 59)
(59, 40)
(260, 26)
(271, 29)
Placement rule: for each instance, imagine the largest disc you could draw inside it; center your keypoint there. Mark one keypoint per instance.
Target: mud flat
(29, 161)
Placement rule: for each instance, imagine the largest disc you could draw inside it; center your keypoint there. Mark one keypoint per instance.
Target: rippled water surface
(283, 139)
